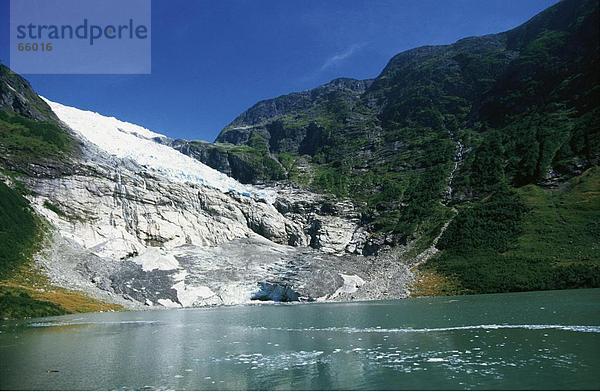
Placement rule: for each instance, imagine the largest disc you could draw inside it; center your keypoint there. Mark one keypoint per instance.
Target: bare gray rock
(127, 234)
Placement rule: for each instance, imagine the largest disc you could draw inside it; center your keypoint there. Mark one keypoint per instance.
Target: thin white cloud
(341, 56)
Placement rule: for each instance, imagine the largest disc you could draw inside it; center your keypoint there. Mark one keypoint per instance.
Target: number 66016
(35, 47)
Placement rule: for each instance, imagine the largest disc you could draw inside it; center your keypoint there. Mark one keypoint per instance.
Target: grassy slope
(553, 244)
(28, 293)
(23, 140)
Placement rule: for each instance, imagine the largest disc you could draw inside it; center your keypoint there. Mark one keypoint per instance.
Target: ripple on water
(571, 328)
(44, 324)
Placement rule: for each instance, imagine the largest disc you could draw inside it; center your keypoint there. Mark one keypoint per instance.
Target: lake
(539, 340)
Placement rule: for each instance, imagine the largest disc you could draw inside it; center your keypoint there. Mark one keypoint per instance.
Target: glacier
(136, 222)
(129, 141)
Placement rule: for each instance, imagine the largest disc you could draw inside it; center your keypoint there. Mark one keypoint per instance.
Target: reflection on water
(513, 341)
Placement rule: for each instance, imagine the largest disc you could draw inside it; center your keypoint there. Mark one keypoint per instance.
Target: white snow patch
(114, 248)
(351, 284)
(126, 140)
(189, 295)
(237, 293)
(10, 87)
(167, 303)
(156, 258)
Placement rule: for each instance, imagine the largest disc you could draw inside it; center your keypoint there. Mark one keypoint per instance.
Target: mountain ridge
(442, 127)
(117, 216)
(462, 168)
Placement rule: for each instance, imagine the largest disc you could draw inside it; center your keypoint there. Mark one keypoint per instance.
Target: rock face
(207, 154)
(248, 167)
(331, 225)
(136, 226)
(303, 139)
(250, 148)
(304, 100)
(119, 209)
(17, 96)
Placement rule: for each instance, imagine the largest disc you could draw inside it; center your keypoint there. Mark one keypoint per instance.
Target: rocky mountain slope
(128, 219)
(440, 131)
(474, 165)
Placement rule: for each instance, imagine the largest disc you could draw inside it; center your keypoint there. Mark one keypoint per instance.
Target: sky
(213, 59)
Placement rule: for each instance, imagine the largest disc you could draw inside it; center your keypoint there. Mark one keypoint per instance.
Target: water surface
(542, 340)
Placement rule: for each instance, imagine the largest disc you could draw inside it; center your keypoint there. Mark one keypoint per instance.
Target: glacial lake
(540, 340)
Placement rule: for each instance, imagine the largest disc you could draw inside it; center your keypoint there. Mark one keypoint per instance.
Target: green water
(543, 340)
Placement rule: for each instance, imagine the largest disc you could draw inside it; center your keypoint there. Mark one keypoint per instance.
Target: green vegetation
(54, 208)
(18, 236)
(29, 133)
(531, 239)
(23, 140)
(17, 304)
(297, 169)
(26, 292)
(252, 162)
(491, 224)
(17, 230)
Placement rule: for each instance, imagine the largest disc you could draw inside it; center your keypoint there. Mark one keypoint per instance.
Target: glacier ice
(137, 222)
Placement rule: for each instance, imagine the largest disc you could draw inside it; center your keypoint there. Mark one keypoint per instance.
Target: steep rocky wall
(126, 234)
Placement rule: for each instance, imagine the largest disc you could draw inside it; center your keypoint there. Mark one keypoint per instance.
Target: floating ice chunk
(436, 360)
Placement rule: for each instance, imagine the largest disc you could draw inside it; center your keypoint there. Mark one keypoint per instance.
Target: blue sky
(212, 59)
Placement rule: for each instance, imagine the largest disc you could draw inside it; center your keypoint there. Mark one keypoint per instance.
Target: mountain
(107, 212)
(242, 150)
(462, 168)
(442, 130)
